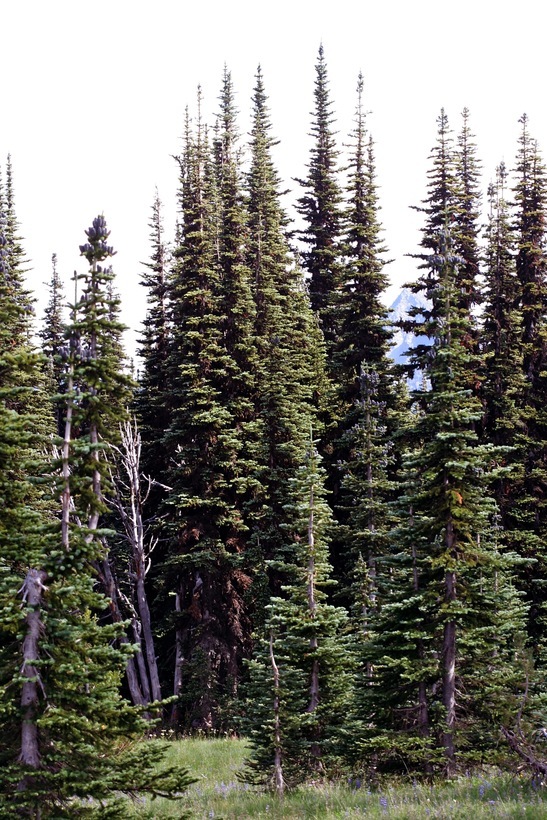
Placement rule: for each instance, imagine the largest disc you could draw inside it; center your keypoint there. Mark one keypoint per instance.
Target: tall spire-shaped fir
(321, 209)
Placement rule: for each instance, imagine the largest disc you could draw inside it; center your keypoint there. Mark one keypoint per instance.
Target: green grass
(219, 794)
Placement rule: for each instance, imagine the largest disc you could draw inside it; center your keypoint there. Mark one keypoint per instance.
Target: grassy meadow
(218, 793)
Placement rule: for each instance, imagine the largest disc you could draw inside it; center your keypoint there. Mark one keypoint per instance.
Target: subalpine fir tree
(502, 322)
(14, 248)
(363, 333)
(300, 675)
(445, 641)
(321, 209)
(439, 208)
(68, 728)
(286, 343)
(467, 217)
(237, 309)
(527, 505)
(54, 341)
(96, 330)
(151, 403)
(360, 364)
(451, 204)
(503, 379)
(203, 560)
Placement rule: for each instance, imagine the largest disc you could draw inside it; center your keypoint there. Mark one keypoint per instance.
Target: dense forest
(269, 529)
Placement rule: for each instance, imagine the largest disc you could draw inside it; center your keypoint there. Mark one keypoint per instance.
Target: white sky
(93, 96)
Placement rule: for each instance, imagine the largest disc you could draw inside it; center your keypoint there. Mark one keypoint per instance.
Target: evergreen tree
(502, 324)
(526, 506)
(503, 380)
(303, 736)
(53, 341)
(204, 563)
(13, 247)
(466, 218)
(364, 333)
(451, 618)
(151, 402)
(238, 313)
(452, 205)
(362, 369)
(68, 728)
(321, 208)
(286, 341)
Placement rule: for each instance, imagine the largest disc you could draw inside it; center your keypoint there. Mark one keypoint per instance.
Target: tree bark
(110, 586)
(312, 606)
(179, 661)
(449, 676)
(278, 754)
(423, 707)
(32, 589)
(132, 519)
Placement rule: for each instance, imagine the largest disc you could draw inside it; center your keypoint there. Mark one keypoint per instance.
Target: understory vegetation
(220, 791)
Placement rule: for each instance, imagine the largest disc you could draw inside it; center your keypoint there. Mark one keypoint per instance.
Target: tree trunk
(30, 692)
(312, 606)
(132, 519)
(449, 652)
(148, 638)
(449, 676)
(278, 755)
(179, 662)
(104, 572)
(423, 707)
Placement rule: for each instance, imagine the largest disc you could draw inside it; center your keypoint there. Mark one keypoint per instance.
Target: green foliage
(217, 766)
(321, 208)
(434, 515)
(70, 737)
(53, 335)
(450, 608)
(286, 342)
(300, 682)
(362, 373)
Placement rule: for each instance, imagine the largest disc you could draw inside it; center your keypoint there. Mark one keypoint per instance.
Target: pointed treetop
(96, 248)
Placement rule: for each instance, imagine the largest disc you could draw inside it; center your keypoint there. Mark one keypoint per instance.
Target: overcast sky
(93, 98)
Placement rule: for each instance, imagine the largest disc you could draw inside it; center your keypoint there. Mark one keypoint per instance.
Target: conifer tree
(13, 247)
(151, 402)
(452, 205)
(310, 693)
(451, 610)
(467, 217)
(363, 335)
(238, 313)
(360, 364)
(60, 672)
(502, 322)
(503, 380)
(321, 208)
(203, 565)
(53, 341)
(527, 502)
(286, 340)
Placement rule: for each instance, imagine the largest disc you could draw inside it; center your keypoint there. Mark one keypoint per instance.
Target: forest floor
(219, 793)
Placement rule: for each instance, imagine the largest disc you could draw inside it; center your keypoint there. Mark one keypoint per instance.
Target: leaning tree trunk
(139, 696)
(129, 505)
